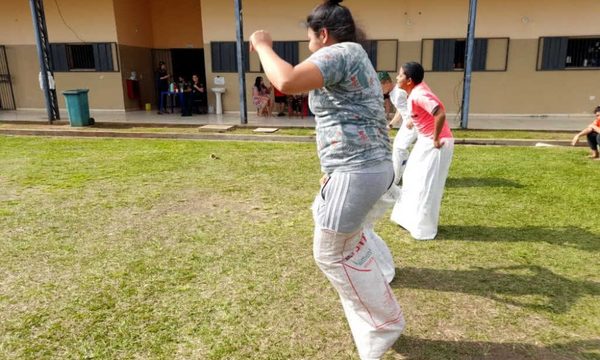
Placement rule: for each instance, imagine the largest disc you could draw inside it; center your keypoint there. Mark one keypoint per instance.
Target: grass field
(152, 249)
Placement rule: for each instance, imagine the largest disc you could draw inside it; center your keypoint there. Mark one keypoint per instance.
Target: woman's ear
(324, 35)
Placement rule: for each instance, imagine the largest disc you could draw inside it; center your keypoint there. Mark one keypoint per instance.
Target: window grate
(81, 57)
(84, 57)
(582, 53)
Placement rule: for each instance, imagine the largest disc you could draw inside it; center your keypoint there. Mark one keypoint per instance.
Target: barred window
(560, 53)
(84, 57)
(81, 57)
(489, 54)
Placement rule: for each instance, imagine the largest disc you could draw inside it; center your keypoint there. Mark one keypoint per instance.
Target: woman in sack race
(355, 156)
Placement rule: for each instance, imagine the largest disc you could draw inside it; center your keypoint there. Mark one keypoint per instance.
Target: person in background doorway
(355, 156)
(162, 84)
(592, 131)
(185, 88)
(198, 93)
(427, 168)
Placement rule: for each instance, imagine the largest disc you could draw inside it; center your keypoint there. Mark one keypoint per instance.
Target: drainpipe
(239, 29)
(464, 121)
(43, 50)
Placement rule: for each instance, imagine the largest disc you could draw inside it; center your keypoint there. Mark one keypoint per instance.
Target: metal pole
(239, 27)
(464, 121)
(39, 40)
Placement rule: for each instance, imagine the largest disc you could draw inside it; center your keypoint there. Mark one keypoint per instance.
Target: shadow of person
(481, 182)
(528, 286)
(412, 348)
(566, 236)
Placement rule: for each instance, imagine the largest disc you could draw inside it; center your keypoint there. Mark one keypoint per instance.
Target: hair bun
(333, 2)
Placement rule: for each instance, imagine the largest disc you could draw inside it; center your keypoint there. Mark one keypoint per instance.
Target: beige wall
(16, 26)
(24, 69)
(92, 21)
(140, 60)
(134, 23)
(177, 24)
(146, 24)
(105, 88)
(412, 20)
(139, 25)
(519, 90)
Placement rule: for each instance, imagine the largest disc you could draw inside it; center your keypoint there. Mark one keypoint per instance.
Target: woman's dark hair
(258, 82)
(336, 18)
(414, 71)
(597, 109)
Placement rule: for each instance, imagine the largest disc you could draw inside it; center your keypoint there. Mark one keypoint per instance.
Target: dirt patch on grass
(8, 192)
(178, 213)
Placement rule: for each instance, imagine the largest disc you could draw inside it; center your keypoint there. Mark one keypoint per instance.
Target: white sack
(423, 182)
(380, 248)
(374, 315)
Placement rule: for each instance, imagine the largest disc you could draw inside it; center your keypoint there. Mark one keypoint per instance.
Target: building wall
(105, 88)
(143, 25)
(138, 26)
(134, 23)
(177, 24)
(519, 90)
(92, 21)
(138, 59)
(88, 21)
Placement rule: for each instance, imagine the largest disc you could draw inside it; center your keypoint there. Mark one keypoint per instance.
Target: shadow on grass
(481, 182)
(568, 236)
(527, 286)
(415, 349)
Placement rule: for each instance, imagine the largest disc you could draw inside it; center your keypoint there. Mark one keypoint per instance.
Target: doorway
(187, 62)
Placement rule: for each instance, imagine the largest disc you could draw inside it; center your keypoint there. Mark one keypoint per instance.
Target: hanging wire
(458, 100)
(65, 22)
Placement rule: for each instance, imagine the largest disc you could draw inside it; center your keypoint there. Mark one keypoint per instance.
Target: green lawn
(154, 249)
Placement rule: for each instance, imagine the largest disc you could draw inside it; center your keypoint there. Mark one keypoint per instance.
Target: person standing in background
(162, 83)
(198, 93)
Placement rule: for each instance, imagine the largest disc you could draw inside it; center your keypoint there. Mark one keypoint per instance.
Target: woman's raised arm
(287, 78)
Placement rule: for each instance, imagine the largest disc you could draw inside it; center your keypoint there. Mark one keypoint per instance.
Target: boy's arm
(395, 120)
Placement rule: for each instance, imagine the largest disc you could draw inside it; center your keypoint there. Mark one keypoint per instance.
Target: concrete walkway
(487, 122)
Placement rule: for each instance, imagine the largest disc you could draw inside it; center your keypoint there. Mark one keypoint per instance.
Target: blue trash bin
(78, 107)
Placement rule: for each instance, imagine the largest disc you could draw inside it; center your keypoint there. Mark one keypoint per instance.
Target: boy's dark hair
(384, 76)
(414, 71)
(597, 109)
(336, 18)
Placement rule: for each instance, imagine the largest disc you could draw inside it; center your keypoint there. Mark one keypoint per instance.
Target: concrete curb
(260, 138)
(130, 135)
